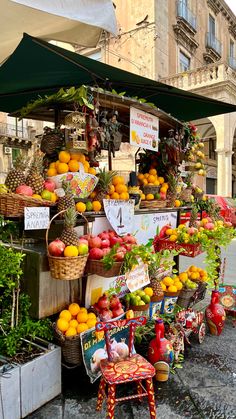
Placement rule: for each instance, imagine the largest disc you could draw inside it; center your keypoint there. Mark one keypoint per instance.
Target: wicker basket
(70, 347)
(13, 205)
(97, 267)
(153, 204)
(150, 189)
(185, 298)
(66, 268)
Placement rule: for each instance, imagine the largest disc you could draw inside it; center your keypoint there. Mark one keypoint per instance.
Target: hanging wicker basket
(13, 205)
(70, 347)
(97, 267)
(153, 204)
(66, 268)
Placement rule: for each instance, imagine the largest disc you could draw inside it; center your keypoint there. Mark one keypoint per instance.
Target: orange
(75, 156)
(145, 182)
(195, 275)
(148, 291)
(54, 197)
(172, 288)
(156, 183)
(115, 195)
(92, 171)
(91, 323)
(82, 158)
(65, 314)
(64, 156)
(93, 194)
(96, 206)
(149, 197)
(123, 196)
(62, 168)
(153, 172)
(82, 327)
(161, 180)
(83, 310)
(151, 179)
(167, 281)
(143, 197)
(92, 316)
(192, 268)
(118, 179)
(71, 251)
(73, 323)
(121, 188)
(169, 231)
(74, 309)
(52, 172)
(73, 166)
(183, 276)
(163, 189)
(146, 175)
(80, 207)
(52, 165)
(86, 164)
(82, 317)
(36, 196)
(71, 331)
(177, 203)
(173, 238)
(111, 189)
(62, 325)
(56, 164)
(178, 285)
(165, 185)
(140, 176)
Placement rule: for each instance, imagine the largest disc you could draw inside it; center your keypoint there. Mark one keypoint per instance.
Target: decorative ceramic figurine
(215, 315)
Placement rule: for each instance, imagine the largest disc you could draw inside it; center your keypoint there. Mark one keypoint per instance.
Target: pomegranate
(115, 356)
(49, 185)
(105, 315)
(111, 233)
(56, 248)
(119, 257)
(121, 249)
(116, 312)
(105, 243)
(95, 242)
(129, 239)
(106, 250)
(128, 247)
(114, 301)
(114, 240)
(103, 302)
(95, 253)
(83, 241)
(104, 235)
(24, 190)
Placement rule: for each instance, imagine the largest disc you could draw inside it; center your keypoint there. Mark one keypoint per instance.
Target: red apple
(95, 242)
(49, 185)
(56, 248)
(105, 243)
(95, 253)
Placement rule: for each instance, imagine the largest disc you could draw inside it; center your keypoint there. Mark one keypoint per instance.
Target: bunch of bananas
(3, 188)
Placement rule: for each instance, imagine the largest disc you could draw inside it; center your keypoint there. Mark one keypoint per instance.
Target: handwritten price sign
(36, 218)
(120, 215)
(138, 277)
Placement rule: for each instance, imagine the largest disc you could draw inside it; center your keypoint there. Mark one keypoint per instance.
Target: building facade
(191, 45)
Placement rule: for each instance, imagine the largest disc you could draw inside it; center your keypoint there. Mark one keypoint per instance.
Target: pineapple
(67, 200)
(16, 176)
(104, 181)
(69, 235)
(172, 191)
(34, 178)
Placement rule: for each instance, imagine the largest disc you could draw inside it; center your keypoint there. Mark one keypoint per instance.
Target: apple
(46, 195)
(56, 248)
(24, 190)
(95, 242)
(49, 185)
(83, 249)
(83, 241)
(95, 253)
(105, 243)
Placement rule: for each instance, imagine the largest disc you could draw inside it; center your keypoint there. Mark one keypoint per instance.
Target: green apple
(46, 195)
(83, 249)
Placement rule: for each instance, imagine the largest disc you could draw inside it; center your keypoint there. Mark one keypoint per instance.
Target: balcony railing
(13, 131)
(184, 12)
(232, 62)
(213, 42)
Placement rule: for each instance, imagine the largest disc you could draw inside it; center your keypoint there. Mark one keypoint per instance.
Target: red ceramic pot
(215, 315)
(160, 349)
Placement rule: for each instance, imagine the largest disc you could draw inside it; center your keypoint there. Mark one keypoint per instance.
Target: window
(231, 49)
(212, 148)
(184, 62)
(212, 26)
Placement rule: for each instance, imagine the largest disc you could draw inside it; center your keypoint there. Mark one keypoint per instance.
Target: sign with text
(36, 218)
(138, 277)
(120, 215)
(144, 129)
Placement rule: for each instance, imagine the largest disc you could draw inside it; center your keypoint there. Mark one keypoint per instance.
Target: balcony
(9, 130)
(213, 49)
(232, 62)
(185, 13)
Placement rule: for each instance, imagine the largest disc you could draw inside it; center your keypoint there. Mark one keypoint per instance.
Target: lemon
(65, 314)
(168, 281)
(172, 288)
(62, 325)
(71, 331)
(148, 291)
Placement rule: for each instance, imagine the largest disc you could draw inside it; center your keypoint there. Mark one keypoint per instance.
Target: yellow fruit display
(80, 207)
(148, 291)
(121, 188)
(73, 323)
(71, 331)
(115, 195)
(111, 189)
(82, 327)
(153, 172)
(97, 206)
(167, 281)
(173, 238)
(52, 171)
(91, 323)
(64, 156)
(183, 276)
(65, 314)
(74, 309)
(73, 166)
(161, 180)
(71, 251)
(62, 325)
(83, 310)
(177, 203)
(151, 179)
(124, 196)
(62, 168)
(118, 180)
(178, 285)
(149, 197)
(82, 317)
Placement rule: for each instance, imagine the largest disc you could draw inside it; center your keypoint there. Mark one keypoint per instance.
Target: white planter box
(33, 384)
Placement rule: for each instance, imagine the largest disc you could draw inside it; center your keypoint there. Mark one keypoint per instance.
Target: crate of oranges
(71, 323)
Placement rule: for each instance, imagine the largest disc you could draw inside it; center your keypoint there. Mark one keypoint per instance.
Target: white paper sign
(36, 218)
(138, 277)
(120, 215)
(144, 129)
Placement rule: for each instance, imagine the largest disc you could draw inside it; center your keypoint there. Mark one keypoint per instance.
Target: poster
(144, 129)
(94, 348)
(36, 218)
(120, 214)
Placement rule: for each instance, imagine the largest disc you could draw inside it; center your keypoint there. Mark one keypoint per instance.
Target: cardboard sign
(36, 218)
(138, 277)
(120, 215)
(144, 129)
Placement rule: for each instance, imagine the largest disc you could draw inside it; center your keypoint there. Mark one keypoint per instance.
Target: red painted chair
(133, 368)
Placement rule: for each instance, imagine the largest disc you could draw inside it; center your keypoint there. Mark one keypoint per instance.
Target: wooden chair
(133, 368)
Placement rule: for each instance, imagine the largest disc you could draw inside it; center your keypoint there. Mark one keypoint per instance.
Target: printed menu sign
(144, 129)
(36, 218)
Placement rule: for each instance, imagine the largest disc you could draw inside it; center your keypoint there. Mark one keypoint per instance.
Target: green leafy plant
(8, 230)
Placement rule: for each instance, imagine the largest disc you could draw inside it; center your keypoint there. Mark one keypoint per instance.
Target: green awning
(37, 68)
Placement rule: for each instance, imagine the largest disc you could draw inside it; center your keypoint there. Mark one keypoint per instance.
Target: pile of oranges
(152, 179)
(69, 162)
(172, 285)
(75, 320)
(117, 190)
(194, 274)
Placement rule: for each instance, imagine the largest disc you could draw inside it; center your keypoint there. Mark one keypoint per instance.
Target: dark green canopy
(37, 68)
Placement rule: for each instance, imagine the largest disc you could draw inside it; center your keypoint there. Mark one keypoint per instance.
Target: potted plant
(39, 363)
